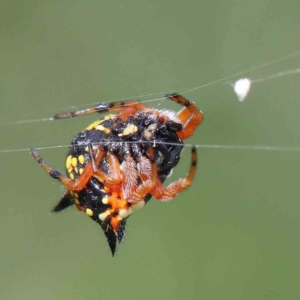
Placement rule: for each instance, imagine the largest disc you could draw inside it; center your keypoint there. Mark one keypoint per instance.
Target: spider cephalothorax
(119, 162)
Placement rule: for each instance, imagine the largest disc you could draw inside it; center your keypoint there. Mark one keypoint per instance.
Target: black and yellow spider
(119, 162)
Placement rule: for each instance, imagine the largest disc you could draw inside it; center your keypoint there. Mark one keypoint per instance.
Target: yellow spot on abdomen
(104, 129)
(89, 212)
(105, 200)
(104, 215)
(68, 161)
(81, 159)
(124, 213)
(94, 125)
(74, 161)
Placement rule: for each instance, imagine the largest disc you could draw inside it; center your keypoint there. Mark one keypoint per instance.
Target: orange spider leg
(147, 186)
(72, 185)
(129, 107)
(114, 167)
(190, 116)
(166, 194)
(144, 168)
(114, 177)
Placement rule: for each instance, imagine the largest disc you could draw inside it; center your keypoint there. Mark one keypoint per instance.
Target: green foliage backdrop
(235, 234)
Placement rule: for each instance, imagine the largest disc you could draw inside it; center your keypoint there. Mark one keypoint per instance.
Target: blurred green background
(235, 234)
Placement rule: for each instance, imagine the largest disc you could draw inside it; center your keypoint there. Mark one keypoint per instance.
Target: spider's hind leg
(166, 194)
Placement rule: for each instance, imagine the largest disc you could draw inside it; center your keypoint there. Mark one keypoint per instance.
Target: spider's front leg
(190, 116)
(72, 185)
(127, 108)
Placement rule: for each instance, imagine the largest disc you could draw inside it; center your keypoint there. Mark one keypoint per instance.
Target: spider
(119, 162)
